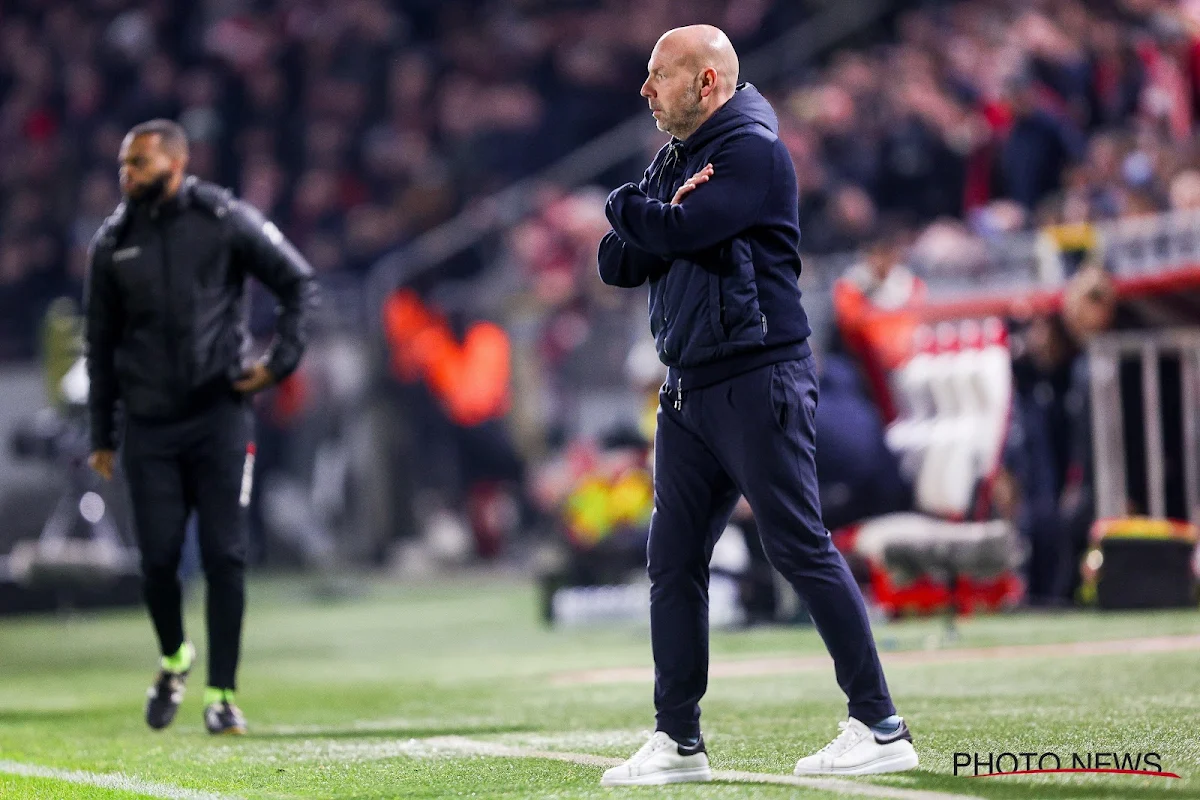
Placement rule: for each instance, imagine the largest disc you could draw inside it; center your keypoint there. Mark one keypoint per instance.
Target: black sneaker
(224, 718)
(164, 697)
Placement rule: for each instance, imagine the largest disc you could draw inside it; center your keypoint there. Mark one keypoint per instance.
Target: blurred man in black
(166, 336)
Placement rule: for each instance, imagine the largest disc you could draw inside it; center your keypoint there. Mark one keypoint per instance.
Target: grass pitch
(456, 690)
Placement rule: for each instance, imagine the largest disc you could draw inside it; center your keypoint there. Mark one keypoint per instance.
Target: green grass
(342, 694)
(51, 789)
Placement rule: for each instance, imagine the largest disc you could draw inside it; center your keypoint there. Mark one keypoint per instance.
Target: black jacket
(722, 264)
(166, 307)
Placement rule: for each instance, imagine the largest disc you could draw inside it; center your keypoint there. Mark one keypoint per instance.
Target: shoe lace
(846, 739)
(655, 743)
(168, 682)
(224, 712)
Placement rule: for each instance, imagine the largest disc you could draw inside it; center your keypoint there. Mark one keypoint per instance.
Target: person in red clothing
(873, 305)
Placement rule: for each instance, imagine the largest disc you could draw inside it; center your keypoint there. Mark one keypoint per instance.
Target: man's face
(673, 91)
(146, 167)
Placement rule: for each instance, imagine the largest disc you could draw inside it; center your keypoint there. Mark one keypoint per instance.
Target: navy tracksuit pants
(753, 435)
(174, 468)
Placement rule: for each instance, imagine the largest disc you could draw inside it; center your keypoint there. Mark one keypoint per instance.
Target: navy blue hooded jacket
(722, 264)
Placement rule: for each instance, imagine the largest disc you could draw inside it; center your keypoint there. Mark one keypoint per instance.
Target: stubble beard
(150, 193)
(683, 124)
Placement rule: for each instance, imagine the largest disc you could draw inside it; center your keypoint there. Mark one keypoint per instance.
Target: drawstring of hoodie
(668, 166)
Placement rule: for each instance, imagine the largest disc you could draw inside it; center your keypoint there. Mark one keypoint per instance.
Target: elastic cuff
(677, 730)
(871, 713)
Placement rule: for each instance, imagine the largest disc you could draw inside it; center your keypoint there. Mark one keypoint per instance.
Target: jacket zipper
(668, 167)
(168, 327)
(668, 170)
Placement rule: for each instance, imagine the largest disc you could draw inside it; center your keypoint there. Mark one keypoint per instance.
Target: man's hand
(257, 378)
(102, 462)
(691, 183)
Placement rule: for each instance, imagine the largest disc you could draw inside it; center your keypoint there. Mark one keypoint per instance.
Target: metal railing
(1159, 247)
(1108, 432)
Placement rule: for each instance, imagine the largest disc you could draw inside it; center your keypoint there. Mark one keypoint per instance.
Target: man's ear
(708, 82)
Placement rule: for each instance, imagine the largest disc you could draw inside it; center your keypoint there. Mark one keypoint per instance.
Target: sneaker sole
(692, 775)
(899, 762)
(230, 732)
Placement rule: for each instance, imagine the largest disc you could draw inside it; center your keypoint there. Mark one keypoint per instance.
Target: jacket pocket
(736, 316)
(781, 395)
(684, 337)
(792, 395)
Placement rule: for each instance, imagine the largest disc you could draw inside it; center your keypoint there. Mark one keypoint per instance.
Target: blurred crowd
(356, 125)
(1003, 115)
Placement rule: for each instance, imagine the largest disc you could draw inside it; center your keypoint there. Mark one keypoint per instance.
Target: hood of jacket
(746, 107)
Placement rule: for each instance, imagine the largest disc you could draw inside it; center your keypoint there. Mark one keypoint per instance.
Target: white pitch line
(841, 786)
(445, 745)
(109, 781)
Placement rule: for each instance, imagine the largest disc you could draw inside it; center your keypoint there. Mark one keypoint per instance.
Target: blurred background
(1000, 211)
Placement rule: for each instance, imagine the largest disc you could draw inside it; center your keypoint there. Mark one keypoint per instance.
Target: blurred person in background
(860, 477)
(1089, 309)
(166, 340)
(1040, 449)
(871, 301)
(1039, 147)
(1047, 483)
(737, 412)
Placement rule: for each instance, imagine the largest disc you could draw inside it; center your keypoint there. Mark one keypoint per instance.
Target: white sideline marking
(841, 786)
(109, 781)
(450, 745)
(435, 747)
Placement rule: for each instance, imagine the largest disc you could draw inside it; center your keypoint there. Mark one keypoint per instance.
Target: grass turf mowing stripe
(758, 667)
(473, 747)
(109, 781)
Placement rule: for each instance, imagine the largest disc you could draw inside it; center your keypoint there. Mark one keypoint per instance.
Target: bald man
(713, 227)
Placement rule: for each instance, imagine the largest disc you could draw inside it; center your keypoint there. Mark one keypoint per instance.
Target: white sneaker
(661, 760)
(859, 751)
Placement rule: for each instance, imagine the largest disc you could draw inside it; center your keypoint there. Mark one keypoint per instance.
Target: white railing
(1109, 436)
(1151, 246)
(1158, 244)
